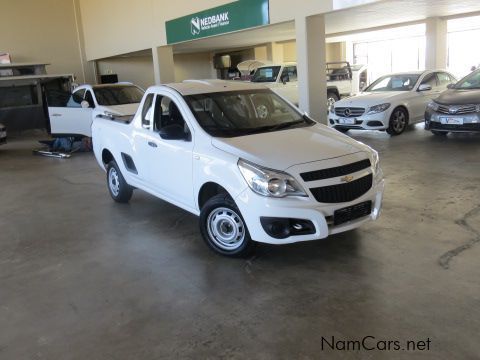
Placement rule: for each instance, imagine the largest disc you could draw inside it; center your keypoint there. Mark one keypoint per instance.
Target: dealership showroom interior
(239, 179)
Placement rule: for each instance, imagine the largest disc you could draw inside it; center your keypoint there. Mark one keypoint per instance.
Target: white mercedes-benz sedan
(391, 102)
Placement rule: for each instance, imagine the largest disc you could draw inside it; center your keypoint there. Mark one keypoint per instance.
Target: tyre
(398, 121)
(223, 228)
(119, 190)
(332, 98)
(439, 133)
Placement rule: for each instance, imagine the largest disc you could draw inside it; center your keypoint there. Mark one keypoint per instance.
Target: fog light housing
(282, 228)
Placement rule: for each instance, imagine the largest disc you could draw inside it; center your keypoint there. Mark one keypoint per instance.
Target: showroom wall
(38, 34)
(135, 69)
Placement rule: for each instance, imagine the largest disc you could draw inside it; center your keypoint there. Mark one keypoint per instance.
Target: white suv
(201, 145)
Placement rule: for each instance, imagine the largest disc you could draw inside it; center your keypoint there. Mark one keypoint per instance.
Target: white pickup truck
(342, 80)
(74, 115)
(202, 146)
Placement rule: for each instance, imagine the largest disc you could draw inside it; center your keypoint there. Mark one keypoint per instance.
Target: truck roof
(193, 87)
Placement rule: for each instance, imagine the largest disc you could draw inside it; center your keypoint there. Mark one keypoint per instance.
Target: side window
(444, 79)
(89, 99)
(167, 113)
(76, 99)
(289, 73)
(147, 111)
(430, 79)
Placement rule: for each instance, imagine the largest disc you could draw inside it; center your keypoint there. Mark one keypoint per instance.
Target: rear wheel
(398, 121)
(223, 228)
(439, 133)
(119, 190)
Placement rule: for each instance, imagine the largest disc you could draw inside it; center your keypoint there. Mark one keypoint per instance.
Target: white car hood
(367, 99)
(122, 110)
(282, 149)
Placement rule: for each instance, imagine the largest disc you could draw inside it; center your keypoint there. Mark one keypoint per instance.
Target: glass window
(89, 99)
(118, 95)
(430, 79)
(167, 113)
(238, 113)
(401, 82)
(76, 99)
(147, 111)
(444, 79)
(266, 74)
(289, 73)
(18, 96)
(471, 81)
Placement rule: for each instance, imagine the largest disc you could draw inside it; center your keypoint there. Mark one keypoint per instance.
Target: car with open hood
(203, 146)
(390, 103)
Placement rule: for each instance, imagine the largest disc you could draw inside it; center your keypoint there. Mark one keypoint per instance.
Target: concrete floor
(84, 278)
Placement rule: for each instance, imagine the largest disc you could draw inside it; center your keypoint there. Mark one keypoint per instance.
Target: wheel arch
(209, 190)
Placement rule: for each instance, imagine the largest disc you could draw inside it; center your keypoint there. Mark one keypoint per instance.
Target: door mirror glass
(451, 86)
(84, 104)
(172, 132)
(425, 87)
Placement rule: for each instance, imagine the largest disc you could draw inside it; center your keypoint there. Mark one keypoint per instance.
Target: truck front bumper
(317, 219)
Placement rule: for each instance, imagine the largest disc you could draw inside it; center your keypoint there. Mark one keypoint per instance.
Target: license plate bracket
(448, 120)
(353, 212)
(347, 121)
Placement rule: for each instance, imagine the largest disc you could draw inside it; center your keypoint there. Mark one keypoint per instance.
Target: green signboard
(238, 15)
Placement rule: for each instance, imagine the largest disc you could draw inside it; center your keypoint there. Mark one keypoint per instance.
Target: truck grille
(335, 171)
(457, 109)
(349, 111)
(343, 192)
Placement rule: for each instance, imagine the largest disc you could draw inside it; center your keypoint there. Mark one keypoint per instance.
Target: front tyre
(398, 122)
(119, 190)
(223, 228)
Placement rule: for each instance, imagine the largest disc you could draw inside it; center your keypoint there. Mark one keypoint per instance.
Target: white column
(312, 82)
(436, 47)
(163, 66)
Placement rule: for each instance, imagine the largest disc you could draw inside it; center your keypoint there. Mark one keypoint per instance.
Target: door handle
(56, 115)
(152, 144)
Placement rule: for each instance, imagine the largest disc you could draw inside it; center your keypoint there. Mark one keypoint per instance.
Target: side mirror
(84, 104)
(451, 86)
(173, 132)
(285, 79)
(425, 87)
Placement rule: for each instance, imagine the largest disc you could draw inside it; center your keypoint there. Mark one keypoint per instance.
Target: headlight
(377, 171)
(332, 109)
(432, 105)
(378, 108)
(268, 182)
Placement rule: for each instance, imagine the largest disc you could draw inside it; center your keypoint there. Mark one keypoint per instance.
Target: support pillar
(163, 66)
(436, 44)
(311, 53)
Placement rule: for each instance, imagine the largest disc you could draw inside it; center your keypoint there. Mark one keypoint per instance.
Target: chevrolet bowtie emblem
(347, 178)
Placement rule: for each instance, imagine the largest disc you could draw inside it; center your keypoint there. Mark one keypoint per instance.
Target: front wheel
(119, 190)
(332, 98)
(223, 228)
(398, 122)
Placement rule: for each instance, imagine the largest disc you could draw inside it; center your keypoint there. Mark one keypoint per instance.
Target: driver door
(422, 98)
(171, 163)
(72, 119)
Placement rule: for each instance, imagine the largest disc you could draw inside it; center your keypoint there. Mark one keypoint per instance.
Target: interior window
(167, 113)
(147, 111)
(76, 99)
(430, 79)
(89, 99)
(289, 73)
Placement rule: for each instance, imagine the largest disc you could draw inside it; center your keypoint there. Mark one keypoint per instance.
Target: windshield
(118, 95)
(471, 81)
(404, 82)
(238, 113)
(266, 74)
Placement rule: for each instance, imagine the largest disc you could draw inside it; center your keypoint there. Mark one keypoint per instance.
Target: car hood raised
(459, 97)
(282, 149)
(123, 110)
(367, 99)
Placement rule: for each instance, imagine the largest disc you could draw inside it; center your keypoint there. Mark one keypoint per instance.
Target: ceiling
(379, 14)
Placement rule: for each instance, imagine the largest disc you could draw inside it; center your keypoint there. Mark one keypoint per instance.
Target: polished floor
(84, 278)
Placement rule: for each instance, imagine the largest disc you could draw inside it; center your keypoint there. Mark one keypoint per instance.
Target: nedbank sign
(238, 15)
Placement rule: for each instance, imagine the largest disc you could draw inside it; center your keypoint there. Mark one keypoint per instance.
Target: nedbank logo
(209, 22)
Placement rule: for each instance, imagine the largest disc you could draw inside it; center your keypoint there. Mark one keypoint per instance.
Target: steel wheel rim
(113, 181)
(226, 229)
(262, 111)
(399, 121)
